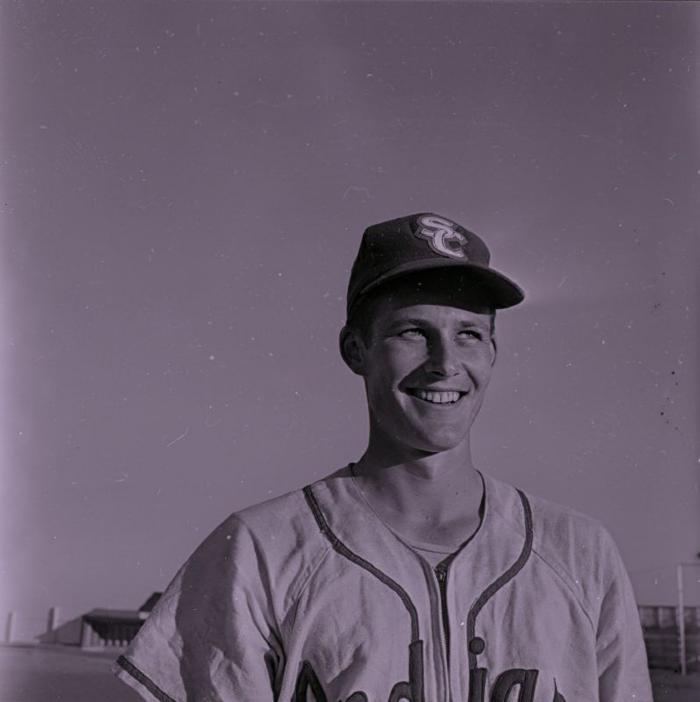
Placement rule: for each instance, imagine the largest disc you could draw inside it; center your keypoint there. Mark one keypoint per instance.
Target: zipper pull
(441, 572)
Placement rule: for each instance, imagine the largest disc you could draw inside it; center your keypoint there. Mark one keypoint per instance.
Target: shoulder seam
(294, 597)
(312, 571)
(579, 596)
(304, 584)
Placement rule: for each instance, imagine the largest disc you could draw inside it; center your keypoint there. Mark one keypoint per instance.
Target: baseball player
(409, 575)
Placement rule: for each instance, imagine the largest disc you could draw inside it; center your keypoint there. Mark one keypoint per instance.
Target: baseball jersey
(311, 597)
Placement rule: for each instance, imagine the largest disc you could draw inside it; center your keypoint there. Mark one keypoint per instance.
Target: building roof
(113, 615)
(150, 603)
(123, 615)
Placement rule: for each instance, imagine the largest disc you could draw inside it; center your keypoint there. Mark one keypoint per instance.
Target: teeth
(438, 398)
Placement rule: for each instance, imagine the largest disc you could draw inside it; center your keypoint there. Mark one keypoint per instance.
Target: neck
(439, 486)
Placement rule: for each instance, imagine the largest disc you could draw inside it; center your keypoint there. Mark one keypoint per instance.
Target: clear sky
(184, 186)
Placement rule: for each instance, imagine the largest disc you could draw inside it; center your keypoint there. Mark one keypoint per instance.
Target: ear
(494, 350)
(352, 350)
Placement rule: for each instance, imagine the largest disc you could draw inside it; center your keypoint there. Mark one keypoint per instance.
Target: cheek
(383, 387)
(392, 368)
(483, 370)
(479, 363)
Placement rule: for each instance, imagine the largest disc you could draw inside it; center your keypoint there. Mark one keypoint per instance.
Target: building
(101, 628)
(662, 636)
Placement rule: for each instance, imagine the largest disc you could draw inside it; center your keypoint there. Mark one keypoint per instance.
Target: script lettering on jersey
(508, 682)
(517, 680)
(524, 681)
(442, 236)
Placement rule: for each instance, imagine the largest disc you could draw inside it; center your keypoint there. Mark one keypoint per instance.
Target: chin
(436, 444)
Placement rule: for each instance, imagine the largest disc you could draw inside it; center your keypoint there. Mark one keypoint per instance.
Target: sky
(184, 186)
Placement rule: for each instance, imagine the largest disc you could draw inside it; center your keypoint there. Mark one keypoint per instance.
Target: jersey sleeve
(623, 673)
(213, 635)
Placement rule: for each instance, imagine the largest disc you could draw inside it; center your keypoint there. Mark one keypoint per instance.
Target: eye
(411, 333)
(471, 334)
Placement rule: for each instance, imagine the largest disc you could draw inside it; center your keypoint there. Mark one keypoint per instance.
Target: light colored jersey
(310, 597)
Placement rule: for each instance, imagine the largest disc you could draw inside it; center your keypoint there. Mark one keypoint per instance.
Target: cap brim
(501, 292)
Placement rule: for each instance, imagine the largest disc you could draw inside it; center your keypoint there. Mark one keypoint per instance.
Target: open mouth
(438, 397)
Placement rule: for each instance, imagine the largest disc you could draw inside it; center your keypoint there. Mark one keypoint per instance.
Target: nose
(442, 359)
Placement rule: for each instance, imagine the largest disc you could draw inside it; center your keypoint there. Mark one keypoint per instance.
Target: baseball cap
(421, 242)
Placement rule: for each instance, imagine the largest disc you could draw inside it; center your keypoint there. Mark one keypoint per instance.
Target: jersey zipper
(441, 574)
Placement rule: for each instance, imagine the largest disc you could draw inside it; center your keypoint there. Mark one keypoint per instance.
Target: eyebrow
(407, 320)
(418, 321)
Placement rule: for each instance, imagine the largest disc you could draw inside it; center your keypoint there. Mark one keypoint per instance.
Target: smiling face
(426, 363)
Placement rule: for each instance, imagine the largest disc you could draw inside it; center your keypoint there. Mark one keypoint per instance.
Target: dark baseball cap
(422, 242)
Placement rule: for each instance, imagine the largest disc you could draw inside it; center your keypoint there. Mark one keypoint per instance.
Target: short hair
(363, 311)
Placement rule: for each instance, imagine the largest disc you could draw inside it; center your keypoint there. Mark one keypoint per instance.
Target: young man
(409, 575)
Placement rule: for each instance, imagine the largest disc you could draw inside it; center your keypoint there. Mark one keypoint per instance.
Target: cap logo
(442, 236)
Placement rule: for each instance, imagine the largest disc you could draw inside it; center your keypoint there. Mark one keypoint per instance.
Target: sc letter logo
(442, 236)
